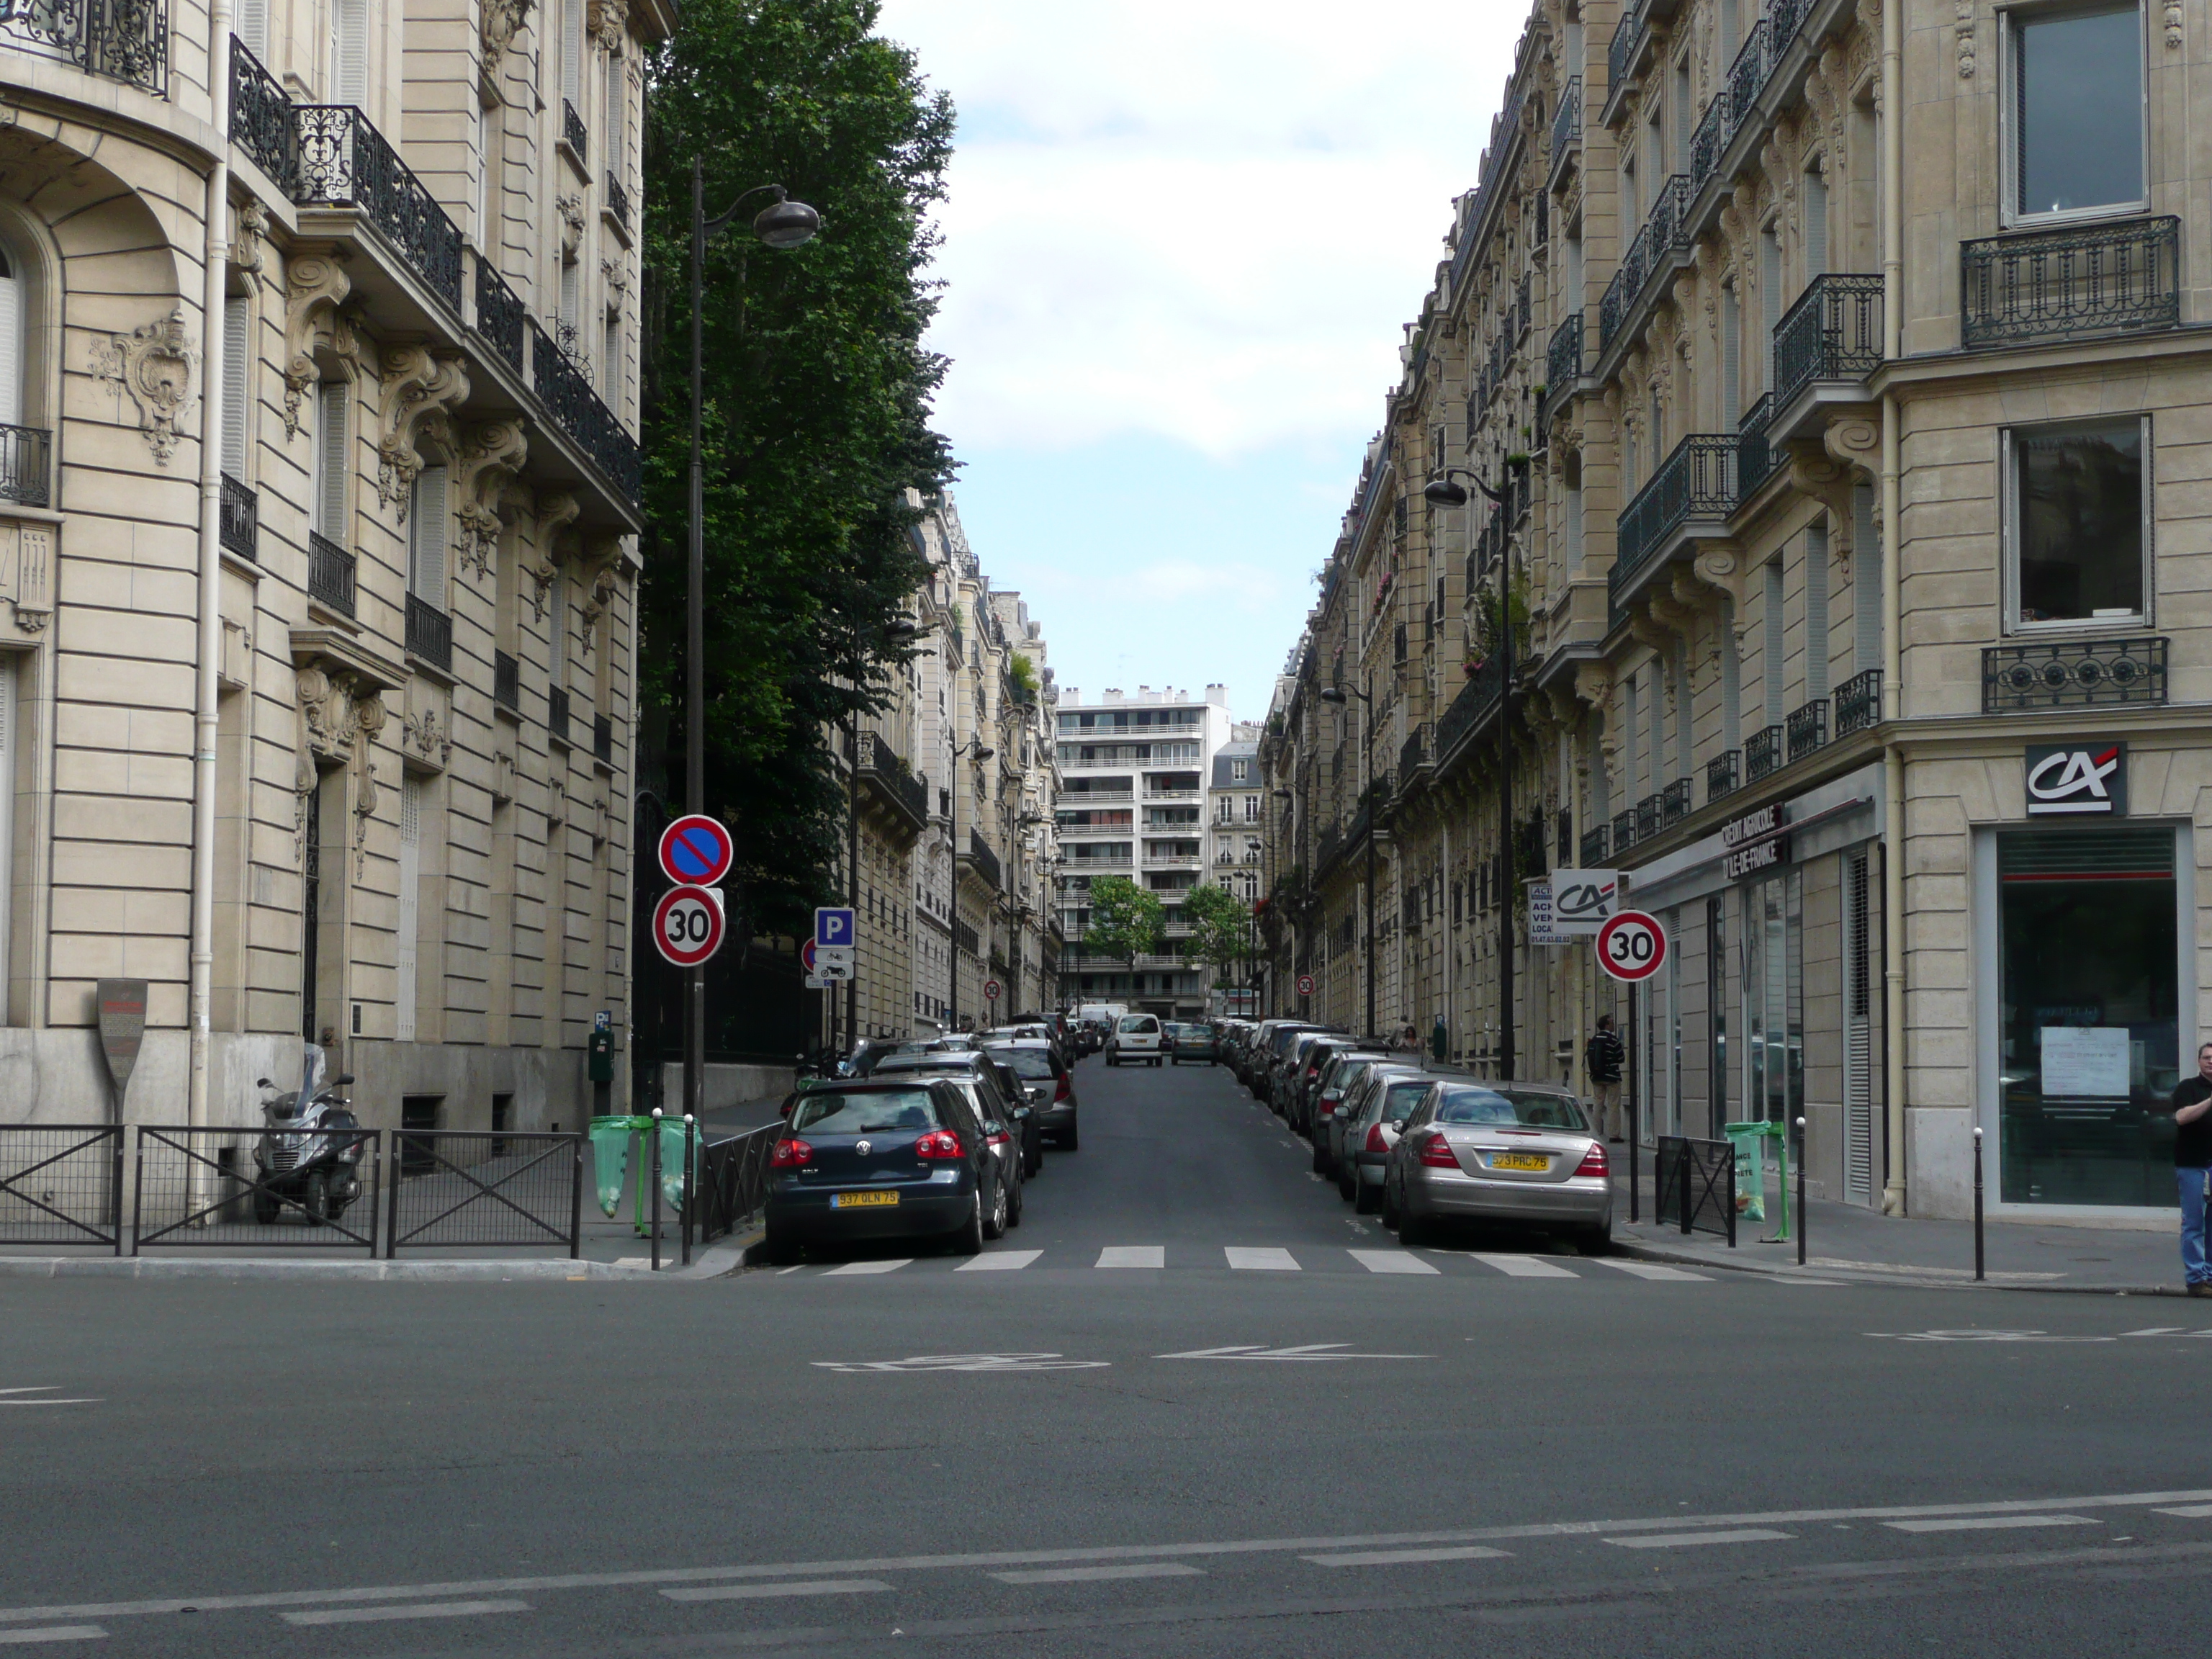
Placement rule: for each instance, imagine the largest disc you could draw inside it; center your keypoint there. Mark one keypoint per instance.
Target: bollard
(690, 1180)
(655, 1132)
(1978, 1204)
(1682, 1167)
(1801, 1191)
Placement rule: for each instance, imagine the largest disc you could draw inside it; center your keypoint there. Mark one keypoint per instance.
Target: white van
(1108, 1014)
(1136, 1037)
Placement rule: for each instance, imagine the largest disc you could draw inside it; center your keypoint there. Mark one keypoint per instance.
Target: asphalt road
(1518, 1453)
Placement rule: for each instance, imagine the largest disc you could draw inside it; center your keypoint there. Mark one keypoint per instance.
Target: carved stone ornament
(1965, 15)
(607, 22)
(2173, 25)
(491, 457)
(248, 249)
(501, 20)
(157, 364)
(420, 390)
(556, 802)
(312, 286)
(614, 273)
(571, 209)
(340, 717)
(602, 822)
(35, 577)
(429, 738)
(502, 777)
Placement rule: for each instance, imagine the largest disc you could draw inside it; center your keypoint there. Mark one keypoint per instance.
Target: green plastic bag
(1749, 1141)
(609, 1159)
(672, 1134)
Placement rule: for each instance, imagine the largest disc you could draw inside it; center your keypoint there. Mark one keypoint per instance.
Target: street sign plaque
(1583, 901)
(833, 925)
(687, 925)
(1632, 946)
(1305, 985)
(695, 851)
(991, 990)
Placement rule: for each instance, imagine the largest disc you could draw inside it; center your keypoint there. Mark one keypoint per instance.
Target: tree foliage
(817, 393)
(1126, 920)
(1220, 927)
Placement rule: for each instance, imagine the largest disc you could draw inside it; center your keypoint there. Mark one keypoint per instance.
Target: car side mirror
(263, 1083)
(1021, 1114)
(341, 1080)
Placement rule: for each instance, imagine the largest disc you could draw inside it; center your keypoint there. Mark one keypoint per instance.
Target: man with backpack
(1603, 1056)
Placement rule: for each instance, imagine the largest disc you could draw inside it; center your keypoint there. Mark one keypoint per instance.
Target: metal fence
(452, 1187)
(1695, 1186)
(61, 1183)
(733, 1180)
(203, 1189)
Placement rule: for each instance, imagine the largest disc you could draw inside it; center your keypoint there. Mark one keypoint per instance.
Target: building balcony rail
(1563, 359)
(1648, 816)
(1858, 702)
(1747, 78)
(985, 862)
(26, 465)
(1698, 481)
(1660, 235)
(577, 410)
(343, 160)
(1756, 454)
(239, 526)
(1469, 708)
(1100, 861)
(557, 726)
(329, 573)
(1593, 850)
(2075, 674)
(1173, 857)
(1621, 51)
(261, 116)
(506, 683)
(574, 134)
(125, 40)
(1707, 142)
(1167, 794)
(2119, 278)
(1762, 753)
(1675, 803)
(1414, 752)
(1721, 776)
(1566, 122)
(615, 201)
(500, 316)
(1623, 829)
(1833, 333)
(603, 739)
(429, 634)
(1807, 728)
(884, 769)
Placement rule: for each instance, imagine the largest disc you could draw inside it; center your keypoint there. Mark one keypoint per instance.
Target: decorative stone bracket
(421, 391)
(491, 457)
(159, 366)
(341, 689)
(313, 284)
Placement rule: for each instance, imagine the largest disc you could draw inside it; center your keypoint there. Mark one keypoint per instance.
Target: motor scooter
(298, 1161)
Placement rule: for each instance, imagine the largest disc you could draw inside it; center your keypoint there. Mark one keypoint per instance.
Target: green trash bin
(674, 1136)
(1749, 1140)
(611, 1138)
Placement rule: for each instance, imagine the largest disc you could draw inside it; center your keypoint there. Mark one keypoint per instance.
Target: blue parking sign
(833, 927)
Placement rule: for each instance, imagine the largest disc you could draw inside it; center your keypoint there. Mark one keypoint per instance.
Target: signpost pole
(1635, 1083)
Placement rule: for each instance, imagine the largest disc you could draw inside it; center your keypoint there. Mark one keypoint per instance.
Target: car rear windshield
(1346, 1076)
(872, 1113)
(1026, 1062)
(1140, 1025)
(1529, 1111)
(1399, 1099)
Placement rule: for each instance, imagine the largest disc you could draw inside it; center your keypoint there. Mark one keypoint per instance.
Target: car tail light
(1593, 1161)
(1060, 1089)
(1375, 1141)
(938, 1143)
(999, 1140)
(1436, 1153)
(790, 1153)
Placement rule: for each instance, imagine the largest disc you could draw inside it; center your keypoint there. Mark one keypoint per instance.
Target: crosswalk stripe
(418, 1610)
(1526, 1266)
(871, 1267)
(1391, 1262)
(760, 1592)
(1133, 1256)
(1653, 1270)
(1403, 1558)
(1267, 1260)
(1680, 1540)
(998, 1261)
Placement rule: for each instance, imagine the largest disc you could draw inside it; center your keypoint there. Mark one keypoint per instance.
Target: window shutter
(572, 52)
(1816, 223)
(1866, 578)
(571, 292)
(11, 344)
(1731, 358)
(349, 51)
(331, 455)
(1770, 302)
(410, 915)
(1770, 663)
(253, 27)
(1731, 679)
(426, 575)
(1816, 612)
(237, 363)
(616, 119)
(556, 640)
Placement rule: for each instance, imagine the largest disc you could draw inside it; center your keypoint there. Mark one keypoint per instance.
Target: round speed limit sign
(687, 925)
(1631, 946)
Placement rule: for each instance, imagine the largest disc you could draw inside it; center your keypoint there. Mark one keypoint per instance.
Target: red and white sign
(1631, 946)
(1305, 985)
(990, 990)
(687, 925)
(697, 851)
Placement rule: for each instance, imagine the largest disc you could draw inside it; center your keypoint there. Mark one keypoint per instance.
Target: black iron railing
(1675, 802)
(1567, 119)
(1833, 333)
(240, 524)
(125, 40)
(733, 1180)
(2064, 284)
(344, 161)
(1591, 851)
(1746, 75)
(27, 466)
(1698, 481)
(1707, 143)
(573, 133)
(2074, 674)
(986, 861)
(617, 200)
(1563, 358)
(329, 573)
(506, 682)
(556, 714)
(1647, 818)
(578, 410)
(1720, 773)
(61, 1183)
(1621, 51)
(464, 1187)
(1756, 458)
(603, 739)
(499, 315)
(429, 634)
(1661, 234)
(883, 767)
(1858, 702)
(1693, 1186)
(1624, 830)
(1762, 753)
(1414, 751)
(1807, 728)
(1475, 701)
(261, 116)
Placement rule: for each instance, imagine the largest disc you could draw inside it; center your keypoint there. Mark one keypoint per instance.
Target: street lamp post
(1275, 899)
(1336, 695)
(783, 224)
(981, 751)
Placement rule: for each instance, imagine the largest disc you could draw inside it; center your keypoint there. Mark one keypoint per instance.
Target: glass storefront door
(1774, 999)
(2089, 993)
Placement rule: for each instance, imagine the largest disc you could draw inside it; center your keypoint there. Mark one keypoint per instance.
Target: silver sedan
(1509, 1152)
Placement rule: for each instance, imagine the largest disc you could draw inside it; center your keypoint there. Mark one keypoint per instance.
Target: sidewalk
(1847, 1242)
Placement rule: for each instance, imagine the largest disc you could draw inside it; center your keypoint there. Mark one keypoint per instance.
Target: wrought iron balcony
(506, 682)
(2068, 284)
(1747, 77)
(985, 862)
(499, 315)
(1707, 142)
(1721, 773)
(617, 200)
(1675, 803)
(239, 526)
(261, 116)
(125, 40)
(1563, 359)
(557, 725)
(26, 462)
(578, 410)
(1661, 234)
(573, 133)
(1858, 702)
(1467, 709)
(329, 573)
(429, 634)
(343, 161)
(1757, 456)
(1833, 333)
(1593, 849)
(2075, 674)
(1621, 51)
(1762, 753)
(1808, 728)
(1624, 831)
(1414, 751)
(1647, 818)
(881, 766)
(1698, 481)
(603, 739)
(1566, 122)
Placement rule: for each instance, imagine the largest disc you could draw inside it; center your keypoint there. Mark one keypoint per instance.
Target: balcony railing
(261, 116)
(1721, 776)
(1414, 751)
(557, 725)
(572, 132)
(1592, 851)
(2065, 284)
(1476, 698)
(881, 765)
(239, 526)
(603, 739)
(329, 573)
(125, 40)
(499, 315)
(1624, 831)
(1746, 75)
(986, 861)
(1567, 119)
(2074, 674)
(1675, 803)
(1833, 333)
(506, 682)
(578, 410)
(1698, 481)
(617, 200)
(1762, 753)
(1661, 232)
(1808, 728)
(429, 634)
(344, 161)
(1563, 358)
(1621, 51)
(1647, 817)
(26, 462)
(1756, 458)
(1858, 702)
(1707, 143)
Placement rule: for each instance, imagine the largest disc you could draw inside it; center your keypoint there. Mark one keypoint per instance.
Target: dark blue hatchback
(895, 1158)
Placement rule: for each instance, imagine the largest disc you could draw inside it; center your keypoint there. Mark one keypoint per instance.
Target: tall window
(1816, 611)
(1731, 358)
(616, 118)
(7, 662)
(349, 51)
(11, 340)
(426, 538)
(572, 52)
(408, 943)
(1772, 643)
(1770, 302)
(253, 27)
(237, 382)
(1816, 222)
(331, 455)
(1866, 579)
(2078, 525)
(2076, 109)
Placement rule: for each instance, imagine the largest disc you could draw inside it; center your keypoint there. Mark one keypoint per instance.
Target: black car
(1048, 1083)
(889, 1158)
(997, 1092)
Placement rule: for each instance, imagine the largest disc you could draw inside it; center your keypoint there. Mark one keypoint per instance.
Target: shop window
(2075, 103)
(2078, 522)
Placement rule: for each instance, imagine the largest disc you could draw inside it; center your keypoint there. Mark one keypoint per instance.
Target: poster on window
(2091, 1060)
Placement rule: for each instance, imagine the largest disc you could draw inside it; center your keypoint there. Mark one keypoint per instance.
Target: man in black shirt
(2193, 1154)
(1603, 1056)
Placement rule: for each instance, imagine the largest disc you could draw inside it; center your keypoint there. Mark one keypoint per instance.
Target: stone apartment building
(318, 538)
(1842, 368)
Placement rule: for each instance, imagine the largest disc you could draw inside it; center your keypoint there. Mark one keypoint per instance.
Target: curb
(1642, 1252)
(718, 1261)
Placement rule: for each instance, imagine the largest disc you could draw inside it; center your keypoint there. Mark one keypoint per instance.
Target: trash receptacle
(674, 1133)
(611, 1139)
(1749, 1140)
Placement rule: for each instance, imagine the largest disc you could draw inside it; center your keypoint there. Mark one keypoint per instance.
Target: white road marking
(1307, 1351)
(1675, 1540)
(870, 1267)
(1391, 1262)
(2189, 1511)
(1396, 1558)
(1990, 1523)
(418, 1610)
(44, 1388)
(1133, 1256)
(2158, 1330)
(754, 1592)
(1265, 1260)
(1653, 1270)
(1526, 1266)
(1085, 1575)
(999, 1261)
(966, 1362)
(52, 1633)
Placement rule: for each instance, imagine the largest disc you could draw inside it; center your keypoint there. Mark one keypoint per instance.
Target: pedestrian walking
(2192, 1158)
(1604, 1055)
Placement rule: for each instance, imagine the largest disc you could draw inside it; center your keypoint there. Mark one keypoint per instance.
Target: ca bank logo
(1577, 898)
(2071, 780)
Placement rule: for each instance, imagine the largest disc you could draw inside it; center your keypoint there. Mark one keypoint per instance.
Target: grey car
(1048, 1084)
(1338, 1080)
(1505, 1151)
(1367, 1128)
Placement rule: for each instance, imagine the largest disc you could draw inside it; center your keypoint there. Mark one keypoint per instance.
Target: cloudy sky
(1183, 237)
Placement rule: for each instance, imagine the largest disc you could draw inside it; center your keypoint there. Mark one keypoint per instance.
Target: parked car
(1285, 1076)
(1190, 1042)
(1305, 1086)
(1136, 1040)
(898, 1159)
(1502, 1151)
(1366, 1127)
(1048, 1084)
(1002, 1095)
(1343, 1069)
(1276, 1037)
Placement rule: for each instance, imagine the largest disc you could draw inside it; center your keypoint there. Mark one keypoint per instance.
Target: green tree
(817, 412)
(1126, 920)
(1220, 927)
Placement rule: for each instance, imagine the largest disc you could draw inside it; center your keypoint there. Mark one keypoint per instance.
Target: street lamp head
(1332, 694)
(786, 223)
(1444, 492)
(986, 754)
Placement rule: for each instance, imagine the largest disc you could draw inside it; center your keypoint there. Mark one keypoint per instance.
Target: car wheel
(1014, 1214)
(1067, 1140)
(967, 1239)
(1366, 1200)
(994, 1224)
(1320, 1158)
(1391, 1217)
(1347, 1184)
(783, 1250)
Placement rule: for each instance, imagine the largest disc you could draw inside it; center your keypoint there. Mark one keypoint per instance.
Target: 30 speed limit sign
(1631, 946)
(687, 925)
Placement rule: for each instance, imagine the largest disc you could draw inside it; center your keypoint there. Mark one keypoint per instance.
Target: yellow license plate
(862, 1200)
(1519, 1161)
